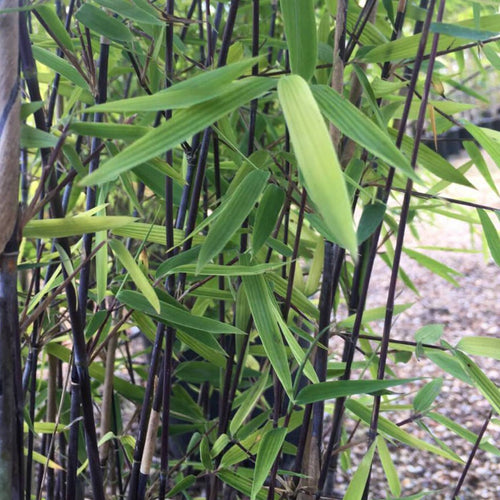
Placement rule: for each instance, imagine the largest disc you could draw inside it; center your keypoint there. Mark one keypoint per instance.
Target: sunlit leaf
(390, 471)
(197, 89)
(181, 127)
(357, 126)
(488, 347)
(73, 226)
(318, 162)
(357, 485)
(135, 272)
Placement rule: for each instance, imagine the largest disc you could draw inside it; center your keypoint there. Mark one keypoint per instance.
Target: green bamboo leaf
(197, 89)
(204, 345)
(132, 392)
(390, 471)
(487, 138)
(73, 226)
(131, 11)
(300, 29)
(393, 431)
(299, 300)
(103, 24)
(231, 214)
(488, 347)
(372, 216)
(491, 235)
(182, 485)
(457, 31)
(434, 265)
(205, 457)
(449, 364)
(318, 162)
(183, 125)
(374, 314)
(480, 380)
(240, 483)
(261, 305)
(407, 47)
(251, 398)
(426, 396)
(152, 233)
(477, 157)
(266, 216)
(316, 269)
(492, 56)
(357, 126)
(324, 391)
(357, 485)
(118, 131)
(176, 315)
(34, 138)
(59, 65)
(463, 432)
(219, 270)
(432, 161)
(271, 444)
(135, 272)
(48, 13)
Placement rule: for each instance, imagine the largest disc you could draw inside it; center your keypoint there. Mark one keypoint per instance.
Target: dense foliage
(205, 188)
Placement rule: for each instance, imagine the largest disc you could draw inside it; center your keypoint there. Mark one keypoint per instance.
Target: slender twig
(472, 454)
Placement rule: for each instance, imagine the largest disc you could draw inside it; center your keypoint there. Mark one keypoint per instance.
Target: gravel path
(472, 308)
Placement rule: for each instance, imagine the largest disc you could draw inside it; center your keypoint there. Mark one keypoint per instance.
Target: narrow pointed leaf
(392, 430)
(232, 213)
(407, 47)
(390, 471)
(358, 482)
(59, 65)
(488, 347)
(300, 29)
(318, 162)
(135, 272)
(342, 388)
(480, 381)
(130, 11)
(176, 316)
(431, 161)
(103, 24)
(73, 226)
(426, 396)
(491, 235)
(251, 399)
(182, 126)
(261, 305)
(269, 448)
(358, 127)
(199, 88)
(266, 216)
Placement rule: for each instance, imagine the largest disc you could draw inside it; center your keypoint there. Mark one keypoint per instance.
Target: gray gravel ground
(472, 308)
